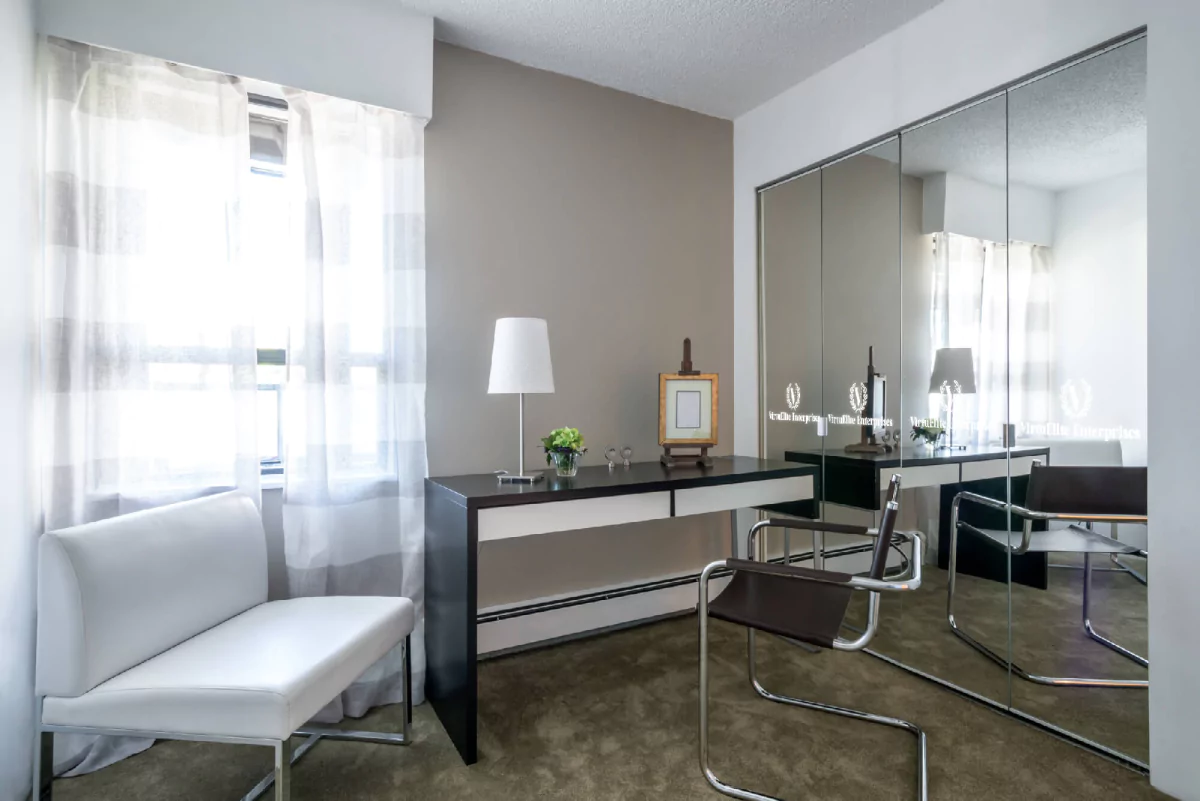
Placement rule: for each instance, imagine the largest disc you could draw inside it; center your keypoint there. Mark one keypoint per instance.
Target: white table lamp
(520, 365)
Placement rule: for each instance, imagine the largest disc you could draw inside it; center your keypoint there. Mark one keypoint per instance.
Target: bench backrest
(115, 593)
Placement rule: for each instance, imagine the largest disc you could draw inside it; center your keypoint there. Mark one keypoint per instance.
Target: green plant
(563, 440)
(930, 433)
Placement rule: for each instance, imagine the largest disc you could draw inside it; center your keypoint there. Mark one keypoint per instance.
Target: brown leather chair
(808, 606)
(1076, 495)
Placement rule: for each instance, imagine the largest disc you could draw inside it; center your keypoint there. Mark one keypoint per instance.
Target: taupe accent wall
(611, 216)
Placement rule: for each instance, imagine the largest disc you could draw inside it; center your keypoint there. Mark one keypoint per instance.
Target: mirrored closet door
(964, 304)
(1077, 322)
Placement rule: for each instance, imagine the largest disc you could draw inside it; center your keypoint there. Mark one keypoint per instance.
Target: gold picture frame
(688, 403)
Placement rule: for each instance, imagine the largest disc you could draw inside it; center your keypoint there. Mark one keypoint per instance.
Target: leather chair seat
(801, 610)
(260, 674)
(1073, 539)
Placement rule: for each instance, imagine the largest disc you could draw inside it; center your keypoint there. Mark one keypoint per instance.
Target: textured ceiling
(1080, 125)
(719, 57)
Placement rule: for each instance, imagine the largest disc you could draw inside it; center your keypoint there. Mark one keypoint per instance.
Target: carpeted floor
(614, 717)
(1048, 639)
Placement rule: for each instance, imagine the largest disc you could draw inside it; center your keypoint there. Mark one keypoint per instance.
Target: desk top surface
(914, 455)
(484, 490)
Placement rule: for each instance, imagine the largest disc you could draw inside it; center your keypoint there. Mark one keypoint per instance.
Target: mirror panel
(955, 379)
(790, 304)
(790, 320)
(1077, 205)
(861, 285)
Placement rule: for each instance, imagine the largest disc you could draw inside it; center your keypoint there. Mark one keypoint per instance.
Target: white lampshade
(521, 357)
(950, 365)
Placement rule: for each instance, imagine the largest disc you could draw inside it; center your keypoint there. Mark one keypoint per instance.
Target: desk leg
(451, 604)
(733, 534)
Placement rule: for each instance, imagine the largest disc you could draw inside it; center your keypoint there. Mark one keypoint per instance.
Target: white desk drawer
(723, 498)
(505, 522)
(931, 475)
(996, 468)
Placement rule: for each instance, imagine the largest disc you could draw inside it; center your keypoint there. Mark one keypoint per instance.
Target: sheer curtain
(147, 340)
(354, 405)
(995, 299)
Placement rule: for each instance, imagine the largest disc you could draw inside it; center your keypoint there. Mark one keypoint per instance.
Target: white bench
(157, 624)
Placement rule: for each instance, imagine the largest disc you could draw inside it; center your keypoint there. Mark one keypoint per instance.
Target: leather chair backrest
(1087, 490)
(887, 525)
(115, 593)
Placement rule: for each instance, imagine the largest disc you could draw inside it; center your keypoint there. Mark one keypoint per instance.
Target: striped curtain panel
(995, 299)
(354, 403)
(147, 338)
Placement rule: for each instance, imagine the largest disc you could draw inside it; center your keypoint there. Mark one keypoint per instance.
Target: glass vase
(566, 463)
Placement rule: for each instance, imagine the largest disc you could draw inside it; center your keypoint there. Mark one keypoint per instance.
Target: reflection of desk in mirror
(857, 480)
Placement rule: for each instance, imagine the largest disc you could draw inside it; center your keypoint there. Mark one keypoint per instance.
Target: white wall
(1099, 303)
(372, 51)
(960, 205)
(17, 249)
(956, 50)
(1174, 325)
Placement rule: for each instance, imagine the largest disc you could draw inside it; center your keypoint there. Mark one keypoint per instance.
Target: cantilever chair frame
(1029, 517)
(860, 583)
(285, 754)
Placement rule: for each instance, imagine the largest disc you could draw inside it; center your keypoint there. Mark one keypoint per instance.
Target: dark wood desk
(463, 511)
(857, 480)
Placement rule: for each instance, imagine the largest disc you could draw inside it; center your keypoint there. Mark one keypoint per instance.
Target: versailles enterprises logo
(793, 396)
(858, 402)
(1075, 397)
(948, 391)
(858, 397)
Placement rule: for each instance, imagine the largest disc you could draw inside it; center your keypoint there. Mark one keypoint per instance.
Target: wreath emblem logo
(793, 396)
(858, 397)
(1075, 397)
(947, 392)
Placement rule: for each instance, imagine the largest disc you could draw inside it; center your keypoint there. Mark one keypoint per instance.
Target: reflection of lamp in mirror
(953, 375)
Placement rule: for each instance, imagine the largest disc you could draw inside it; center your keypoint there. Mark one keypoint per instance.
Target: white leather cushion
(261, 674)
(114, 593)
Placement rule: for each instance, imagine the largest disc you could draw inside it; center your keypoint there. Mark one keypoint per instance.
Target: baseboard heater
(538, 607)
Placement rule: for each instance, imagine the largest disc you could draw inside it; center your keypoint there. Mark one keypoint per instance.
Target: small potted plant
(928, 432)
(564, 447)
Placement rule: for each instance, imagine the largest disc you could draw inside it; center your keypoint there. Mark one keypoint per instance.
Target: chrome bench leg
(317, 733)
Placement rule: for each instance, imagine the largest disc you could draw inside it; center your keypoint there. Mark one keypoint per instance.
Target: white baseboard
(554, 624)
(574, 621)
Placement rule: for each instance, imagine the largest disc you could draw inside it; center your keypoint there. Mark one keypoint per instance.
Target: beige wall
(610, 216)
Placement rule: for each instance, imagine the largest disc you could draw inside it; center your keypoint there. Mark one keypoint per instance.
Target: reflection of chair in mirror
(807, 606)
(1073, 495)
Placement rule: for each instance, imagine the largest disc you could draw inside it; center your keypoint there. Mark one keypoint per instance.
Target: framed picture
(687, 409)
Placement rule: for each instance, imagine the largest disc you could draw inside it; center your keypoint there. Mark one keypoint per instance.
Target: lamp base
(510, 478)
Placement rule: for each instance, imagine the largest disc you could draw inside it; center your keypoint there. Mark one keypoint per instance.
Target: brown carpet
(1048, 639)
(614, 717)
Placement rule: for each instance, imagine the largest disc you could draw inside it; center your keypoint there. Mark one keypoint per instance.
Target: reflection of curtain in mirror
(995, 300)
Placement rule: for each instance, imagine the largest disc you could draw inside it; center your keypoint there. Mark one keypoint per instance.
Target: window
(265, 240)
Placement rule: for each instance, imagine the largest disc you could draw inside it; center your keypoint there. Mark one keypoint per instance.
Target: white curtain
(147, 342)
(995, 299)
(354, 405)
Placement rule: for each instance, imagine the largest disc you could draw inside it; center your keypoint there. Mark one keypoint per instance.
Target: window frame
(272, 110)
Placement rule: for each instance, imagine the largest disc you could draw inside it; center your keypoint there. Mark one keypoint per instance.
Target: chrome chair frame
(859, 583)
(1030, 517)
(285, 754)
